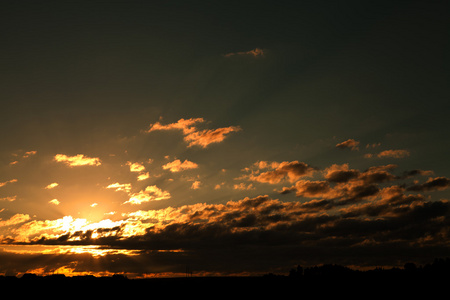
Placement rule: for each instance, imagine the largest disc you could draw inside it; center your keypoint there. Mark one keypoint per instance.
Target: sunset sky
(233, 137)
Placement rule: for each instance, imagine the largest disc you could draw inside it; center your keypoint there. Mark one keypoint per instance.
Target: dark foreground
(327, 280)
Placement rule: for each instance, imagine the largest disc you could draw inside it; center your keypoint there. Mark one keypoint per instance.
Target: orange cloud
(151, 193)
(292, 171)
(135, 167)
(243, 187)
(192, 135)
(29, 153)
(143, 176)
(6, 182)
(9, 198)
(255, 53)
(54, 202)
(393, 153)
(126, 187)
(196, 185)
(350, 143)
(205, 137)
(77, 160)
(16, 219)
(186, 125)
(51, 186)
(177, 165)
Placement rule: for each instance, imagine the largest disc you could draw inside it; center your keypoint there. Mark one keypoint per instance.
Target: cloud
(438, 183)
(255, 53)
(51, 186)
(14, 220)
(196, 185)
(185, 125)
(277, 172)
(54, 202)
(177, 165)
(342, 185)
(391, 224)
(6, 182)
(9, 198)
(77, 160)
(135, 167)
(350, 143)
(313, 189)
(242, 186)
(143, 176)
(151, 193)
(340, 173)
(126, 187)
(194, 136)
(29, 153)
(20, 156)
(205, 137)
(389, 154)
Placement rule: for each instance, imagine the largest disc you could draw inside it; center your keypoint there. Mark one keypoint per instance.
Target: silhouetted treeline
(325, 279)
(438, 268)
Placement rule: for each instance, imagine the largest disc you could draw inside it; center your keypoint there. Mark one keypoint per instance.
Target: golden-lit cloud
(126, 187)
(21, 155)
(177, 165)
(243, 187)
(277, 172)
(205, 137)
(51, 186)
(185, 125)
(29, 153)
(143, 176)
(196, 185)
(194, 136)
(14, 220)
(350, 143)
(6, 182)
(390, 154)
(54, 202)
(151, 193)
(9, 198)
(78, 160)
(136, 167)
(254, 52)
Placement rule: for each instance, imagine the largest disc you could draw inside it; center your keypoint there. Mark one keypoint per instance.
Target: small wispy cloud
(349, 144)
(196, 185)
(177, 165)
(51, 186)
(22, 155)
(6, 182)
(135, 167)
(77, 160)
(126, 187)
(194, 136)
(9, 199)
(151, 193)
(400, 153)
(254, 53)
(54, 202)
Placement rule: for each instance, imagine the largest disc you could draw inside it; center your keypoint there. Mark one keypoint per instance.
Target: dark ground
(431, 280)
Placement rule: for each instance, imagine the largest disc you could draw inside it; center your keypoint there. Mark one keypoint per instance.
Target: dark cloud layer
(351, 217)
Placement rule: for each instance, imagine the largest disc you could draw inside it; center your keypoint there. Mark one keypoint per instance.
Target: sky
(232, 137)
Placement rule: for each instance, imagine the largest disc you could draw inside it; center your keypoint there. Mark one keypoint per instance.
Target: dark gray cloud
(438, 183)
(268, 233)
